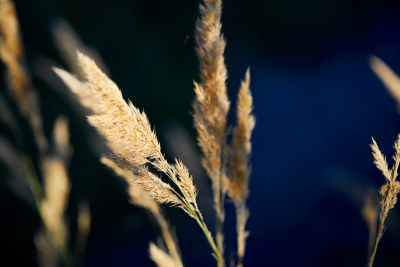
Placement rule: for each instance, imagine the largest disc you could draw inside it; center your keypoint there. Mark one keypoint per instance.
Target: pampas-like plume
(161, 258)
(144, 187)
(53, 204)
(20, 86)
(389, 190)
(211, 105)
(141, 198)
(239, 162)
(133, 142)
(10, 47)
(390, 79)
(241, 145)
(128, 132)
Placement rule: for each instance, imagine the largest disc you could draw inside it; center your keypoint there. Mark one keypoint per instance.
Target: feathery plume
(144, 199)
(161, 258)
(56, 185)
(20, 86)
(10, 47)
(239, 171)
(121, 123)
(389, 190)
(53, 203)
(143, 185)
(242, 214)
(380, 160)
(387, 76)
(211, 105)
(186, 180)
(127, 131)
(85, 95)
(133, 142)
(241, 144)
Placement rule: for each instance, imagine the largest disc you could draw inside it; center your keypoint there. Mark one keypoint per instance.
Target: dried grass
(211, 105)
(388, 77)
(389, 190)
(161, 258)
(20, 87)
(136, 153)
(52, 242)
(133, 142)
(227, 166)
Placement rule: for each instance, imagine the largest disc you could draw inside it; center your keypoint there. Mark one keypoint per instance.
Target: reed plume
(145, 200)
(51, 198)
(389, 190)
(162, 259)
(227, 166)
(68, 42)
(239, 171)
(211, 105)
(133, 142)
(52, 243)
(11, 50)
(388, 77)
(20, 87)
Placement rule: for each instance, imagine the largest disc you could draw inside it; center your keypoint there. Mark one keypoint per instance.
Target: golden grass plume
(388, 77)
(143, 199)
(211, 105)
(54, 200)
(161, 258)
(389, 190)
(11, 53)
(134, 144)
(227, 166)
(241, 144)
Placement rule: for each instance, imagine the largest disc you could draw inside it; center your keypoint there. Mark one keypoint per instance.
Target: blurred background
(317, 105)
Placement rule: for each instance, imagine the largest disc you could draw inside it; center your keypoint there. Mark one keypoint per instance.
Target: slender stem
(219, 239)
(378, 238)
(209, 237)
(219, 216)
(371, 260)
(193, 211)
(199, 219)
(241, 220)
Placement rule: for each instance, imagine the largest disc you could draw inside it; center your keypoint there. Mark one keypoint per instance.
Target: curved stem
(193, 211)
(378, 238)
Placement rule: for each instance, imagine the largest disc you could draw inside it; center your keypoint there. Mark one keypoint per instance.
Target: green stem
(371, 259)
(194, 211)
(378, 238)
(209, 237)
